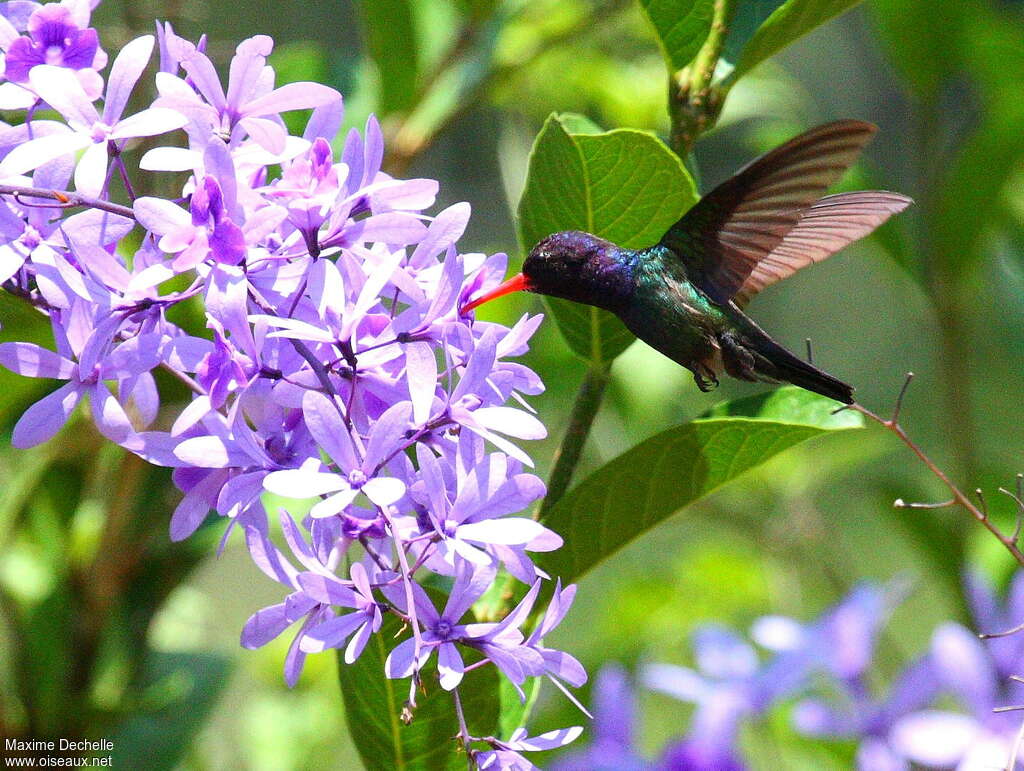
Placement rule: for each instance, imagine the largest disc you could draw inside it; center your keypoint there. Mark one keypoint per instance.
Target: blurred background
(85, 563)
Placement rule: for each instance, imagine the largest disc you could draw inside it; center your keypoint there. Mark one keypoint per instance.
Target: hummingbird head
(575, 266)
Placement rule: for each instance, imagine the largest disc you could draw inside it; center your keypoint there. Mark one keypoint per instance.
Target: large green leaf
(682, 27)
(391, 40)
(789, 22)
(373, 710)
(633, 493)
(623, 185)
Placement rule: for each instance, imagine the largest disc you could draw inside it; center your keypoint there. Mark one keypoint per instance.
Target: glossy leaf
(623, 185)
(373, 709)
(787, 24)
(645, 485)
(391, 40)
(682, 27)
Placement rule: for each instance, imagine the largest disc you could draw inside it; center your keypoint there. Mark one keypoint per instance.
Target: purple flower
(612, 745)
(88, 128)
(507, 754)
(334, 367)
(56, 37)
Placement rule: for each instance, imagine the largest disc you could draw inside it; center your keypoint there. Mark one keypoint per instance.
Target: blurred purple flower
(612, 745)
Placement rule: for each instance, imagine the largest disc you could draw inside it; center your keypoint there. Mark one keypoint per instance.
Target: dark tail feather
(758, 357)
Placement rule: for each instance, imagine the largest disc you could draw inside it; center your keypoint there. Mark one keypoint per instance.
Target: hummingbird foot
(704, 377)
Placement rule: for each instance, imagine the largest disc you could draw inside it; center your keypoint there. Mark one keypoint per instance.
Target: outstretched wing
(739, 223)
(822, 230)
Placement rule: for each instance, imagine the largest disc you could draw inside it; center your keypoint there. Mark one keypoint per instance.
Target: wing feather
(822, 230)
(739, 223)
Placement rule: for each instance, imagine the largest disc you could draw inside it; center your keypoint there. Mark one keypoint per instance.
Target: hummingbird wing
(822, 230)
(739, 223)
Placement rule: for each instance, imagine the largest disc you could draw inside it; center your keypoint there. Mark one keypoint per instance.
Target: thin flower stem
(66, 199)
(463, 730)
(567, 457)
(979, 512)
(410, 598)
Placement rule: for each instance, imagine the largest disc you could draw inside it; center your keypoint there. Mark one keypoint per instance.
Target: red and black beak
(518, 283)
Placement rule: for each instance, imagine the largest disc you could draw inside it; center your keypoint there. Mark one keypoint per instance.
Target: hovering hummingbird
(685, 295)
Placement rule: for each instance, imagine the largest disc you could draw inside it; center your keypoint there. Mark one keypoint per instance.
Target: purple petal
(30, 360)
(334, 504)
(46, 417)
(293, 96)
(325, 122)
(195, 506)
(511, 531)
(449, 666)
(387, 434)
(203, 74)
(962, 664)
(327, 590)
(268, 134)
(210, 452)
(400, 661)
(108, 414)
(548, 741)
(303, 483)
(36, 152)
(326, 426)
(934, 738)
(445, 230)
(384, 490)
(722, 654)
(148, 123)
(124, 74)
(421, 374)
(264, 625)
(62, 90)
(91, 171)
(510, 421)
(359, 640)
(332, 633)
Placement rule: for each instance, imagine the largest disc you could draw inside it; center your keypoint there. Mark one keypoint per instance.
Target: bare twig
(65, 199)
(978, 511)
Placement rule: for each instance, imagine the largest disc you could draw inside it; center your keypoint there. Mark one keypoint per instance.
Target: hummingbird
(685, 295)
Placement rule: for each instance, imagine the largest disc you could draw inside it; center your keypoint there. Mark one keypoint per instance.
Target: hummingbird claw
(704, 378)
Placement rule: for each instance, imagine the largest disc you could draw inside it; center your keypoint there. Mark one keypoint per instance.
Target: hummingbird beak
(517, 283)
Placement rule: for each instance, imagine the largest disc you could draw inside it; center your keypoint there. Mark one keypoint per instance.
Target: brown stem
(65, 199)
(979, 512)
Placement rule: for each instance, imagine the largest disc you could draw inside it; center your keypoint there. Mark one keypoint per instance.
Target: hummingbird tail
(761, 358)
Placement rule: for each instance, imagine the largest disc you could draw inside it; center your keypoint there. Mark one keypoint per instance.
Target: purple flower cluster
(335, 365)
(825, 666)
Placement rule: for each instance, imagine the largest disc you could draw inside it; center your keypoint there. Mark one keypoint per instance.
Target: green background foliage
(546, 115)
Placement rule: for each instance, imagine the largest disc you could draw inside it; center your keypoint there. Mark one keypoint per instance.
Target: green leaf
(682, 27)
(391, 40)
(788, 23)
(179, 690)
(373, 709)
(623, 185)
(745, 22)
(636, 491)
